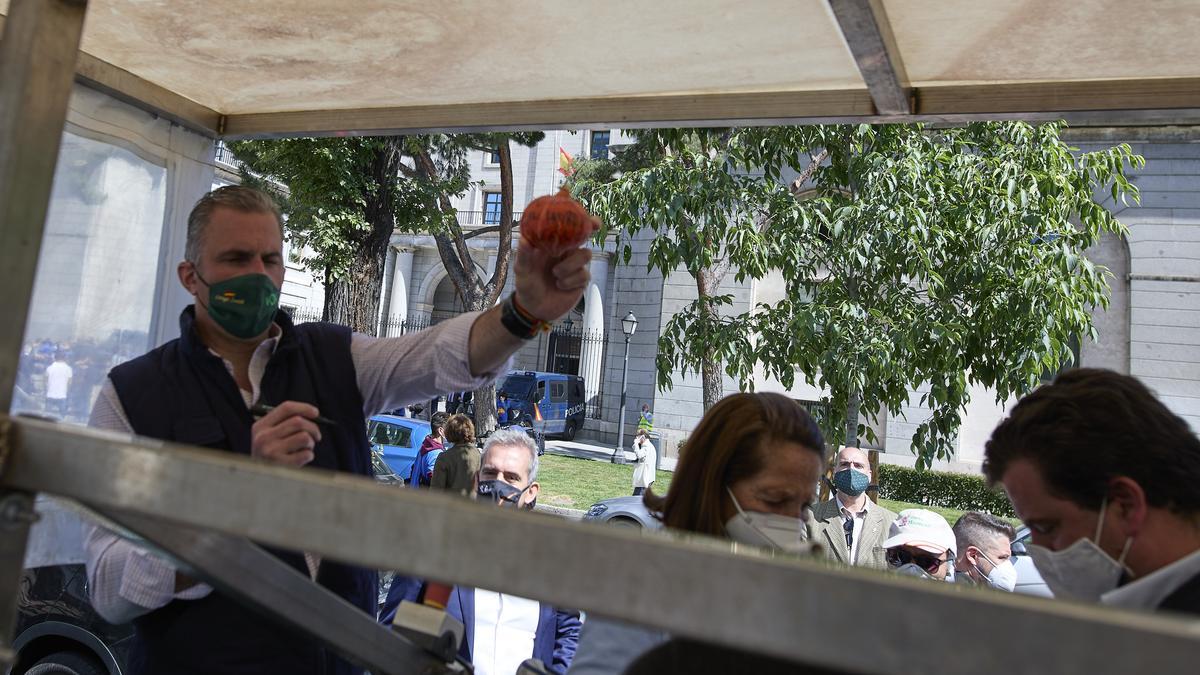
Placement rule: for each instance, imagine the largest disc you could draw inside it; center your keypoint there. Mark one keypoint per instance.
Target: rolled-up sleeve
(397, 371)
(125, 580)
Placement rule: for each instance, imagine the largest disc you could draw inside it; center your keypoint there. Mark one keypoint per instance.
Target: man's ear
(188, 277)
(532, 491)
(1127, 501)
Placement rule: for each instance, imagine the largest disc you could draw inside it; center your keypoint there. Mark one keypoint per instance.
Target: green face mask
(243, 306)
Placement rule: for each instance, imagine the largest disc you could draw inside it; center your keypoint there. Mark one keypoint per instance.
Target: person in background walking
(646, 419)
(421, 472)
(455, 468)
(58, 383)
(647, 463)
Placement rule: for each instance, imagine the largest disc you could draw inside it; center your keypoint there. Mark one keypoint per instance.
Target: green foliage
(912, 257)
(960, 491)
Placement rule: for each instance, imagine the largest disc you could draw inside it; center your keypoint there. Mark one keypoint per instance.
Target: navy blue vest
(182, 392)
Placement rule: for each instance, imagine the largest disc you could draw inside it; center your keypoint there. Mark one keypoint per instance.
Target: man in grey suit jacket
(850, 527)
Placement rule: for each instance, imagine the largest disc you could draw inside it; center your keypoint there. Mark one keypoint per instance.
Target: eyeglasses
(898, 557)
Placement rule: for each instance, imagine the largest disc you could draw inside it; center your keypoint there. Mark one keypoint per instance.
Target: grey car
(1029, 581)
(626, 511)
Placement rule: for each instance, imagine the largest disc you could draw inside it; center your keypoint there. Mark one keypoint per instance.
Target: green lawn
(579, 483)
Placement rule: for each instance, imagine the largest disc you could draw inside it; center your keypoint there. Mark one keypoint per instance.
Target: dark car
(59, 632)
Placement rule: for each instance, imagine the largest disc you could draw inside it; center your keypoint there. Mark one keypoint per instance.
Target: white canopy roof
(294, 67)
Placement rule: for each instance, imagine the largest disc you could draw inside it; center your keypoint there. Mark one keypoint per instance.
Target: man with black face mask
(1106, 478)
(502, 630)
(242, 378)
(850, 527)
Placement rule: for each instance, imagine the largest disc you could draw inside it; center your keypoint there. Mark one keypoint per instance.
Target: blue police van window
(518, 387)
(558, 391)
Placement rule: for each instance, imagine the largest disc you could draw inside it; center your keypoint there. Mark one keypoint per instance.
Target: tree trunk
(852, 406)
(710, 368)
(354, 301)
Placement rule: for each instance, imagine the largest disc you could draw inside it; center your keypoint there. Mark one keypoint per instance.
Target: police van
(552, 402)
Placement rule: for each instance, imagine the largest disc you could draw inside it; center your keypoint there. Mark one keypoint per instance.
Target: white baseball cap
(923, 529)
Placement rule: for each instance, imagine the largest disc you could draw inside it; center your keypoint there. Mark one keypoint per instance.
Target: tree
(911, 256)
(344, 198)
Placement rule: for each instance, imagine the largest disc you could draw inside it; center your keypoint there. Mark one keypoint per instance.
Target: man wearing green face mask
(850, 527)
(236, 353)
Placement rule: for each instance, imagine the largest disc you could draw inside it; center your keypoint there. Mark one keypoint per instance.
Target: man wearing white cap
(921, 543)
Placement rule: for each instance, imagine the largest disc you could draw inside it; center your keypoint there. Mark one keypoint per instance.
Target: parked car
(557, 399)
(398, 440)
(1029, 580)
(624, 511)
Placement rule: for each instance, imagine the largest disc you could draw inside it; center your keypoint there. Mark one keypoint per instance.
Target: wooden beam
(599, 113)
(38, 48)
(1101, 102)
(125, 86)
(140, 93)
(868, 34)
(1133, 96)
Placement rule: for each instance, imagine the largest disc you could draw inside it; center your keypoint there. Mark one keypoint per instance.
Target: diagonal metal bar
(693, 588)
(38, 51)
(865, 27)
(261, 581)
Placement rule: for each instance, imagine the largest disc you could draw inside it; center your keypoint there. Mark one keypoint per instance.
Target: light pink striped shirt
(127, 580)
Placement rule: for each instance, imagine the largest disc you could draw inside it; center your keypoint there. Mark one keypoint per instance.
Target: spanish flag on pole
(564, 162)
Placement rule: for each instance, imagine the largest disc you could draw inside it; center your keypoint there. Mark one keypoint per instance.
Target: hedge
(961, 491)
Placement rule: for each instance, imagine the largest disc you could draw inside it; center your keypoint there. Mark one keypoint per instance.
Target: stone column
(401, 287)
(591, 356)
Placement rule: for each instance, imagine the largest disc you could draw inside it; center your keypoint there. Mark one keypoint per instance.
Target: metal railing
(575, 351)
(483, 218)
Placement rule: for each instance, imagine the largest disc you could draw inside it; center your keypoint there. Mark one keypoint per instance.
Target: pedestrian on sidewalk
(455, 468)
(647, 463)
(646, 419)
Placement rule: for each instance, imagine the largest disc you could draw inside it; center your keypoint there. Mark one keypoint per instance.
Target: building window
(599, 145)
(491, 208)
(491, 159)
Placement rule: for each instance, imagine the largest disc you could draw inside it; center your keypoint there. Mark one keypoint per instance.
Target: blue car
(398, 439)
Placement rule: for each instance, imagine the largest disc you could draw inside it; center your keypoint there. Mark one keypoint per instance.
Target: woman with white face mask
(748, 473)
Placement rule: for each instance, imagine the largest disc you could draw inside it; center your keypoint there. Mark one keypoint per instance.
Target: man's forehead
(507, 458)
(852, 455)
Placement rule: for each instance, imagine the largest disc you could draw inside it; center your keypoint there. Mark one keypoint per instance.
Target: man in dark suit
(1106, 478)
(502, 630)
(850, 527)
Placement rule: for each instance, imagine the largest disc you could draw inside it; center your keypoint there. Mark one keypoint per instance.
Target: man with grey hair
(508, 469)
(985, 551)
(243, 378)
(501, 630)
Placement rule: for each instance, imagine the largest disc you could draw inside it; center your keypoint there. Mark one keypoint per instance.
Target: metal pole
(619, 454)
(746, 600)
(37, 67)
(38, 51)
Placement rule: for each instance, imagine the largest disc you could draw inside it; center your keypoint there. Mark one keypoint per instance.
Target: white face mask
(1003, 575)
(1082, 571)
(768, 530)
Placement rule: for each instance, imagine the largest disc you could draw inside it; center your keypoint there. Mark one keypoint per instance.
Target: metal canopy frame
(204, 508)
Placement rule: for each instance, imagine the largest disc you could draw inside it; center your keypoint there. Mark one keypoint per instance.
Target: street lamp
(628, 326)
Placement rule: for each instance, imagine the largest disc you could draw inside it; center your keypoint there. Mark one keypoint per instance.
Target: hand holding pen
(286, 433)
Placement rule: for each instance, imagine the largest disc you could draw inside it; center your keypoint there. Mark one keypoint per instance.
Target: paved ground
(597, 453)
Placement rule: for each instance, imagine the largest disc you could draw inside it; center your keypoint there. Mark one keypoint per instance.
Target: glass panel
(600, 144)
(558, 391)
(491, 208)
(93, 297)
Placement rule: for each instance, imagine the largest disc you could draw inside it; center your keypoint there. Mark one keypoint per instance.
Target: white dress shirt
(505, 628)
(126, 580)
(859, 518)
(1149, 591)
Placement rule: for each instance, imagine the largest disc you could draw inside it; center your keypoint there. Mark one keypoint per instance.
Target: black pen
(261, 409)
